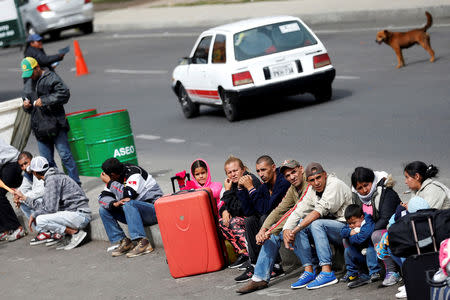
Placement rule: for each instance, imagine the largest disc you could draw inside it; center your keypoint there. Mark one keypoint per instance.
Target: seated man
(259, 205)
(65, 207)
(29, 197)
(323, 225)
(299, 194)
(128, 198)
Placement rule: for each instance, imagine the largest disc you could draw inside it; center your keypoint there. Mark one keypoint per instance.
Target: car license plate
(281, 70)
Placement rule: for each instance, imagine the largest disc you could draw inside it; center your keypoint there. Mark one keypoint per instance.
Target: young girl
(201, 178)
(420, 178)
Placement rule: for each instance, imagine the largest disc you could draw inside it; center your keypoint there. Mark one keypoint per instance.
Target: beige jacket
(335, 199)
(435, 193)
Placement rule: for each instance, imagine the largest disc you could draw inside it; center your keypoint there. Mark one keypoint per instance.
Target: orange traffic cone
(80, 64)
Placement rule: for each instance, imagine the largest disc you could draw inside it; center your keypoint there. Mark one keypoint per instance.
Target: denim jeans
(354, 260)
(322, 231)
(58, 221)
(60, 142)
(267, 256)
(136, 214)
(27, 211)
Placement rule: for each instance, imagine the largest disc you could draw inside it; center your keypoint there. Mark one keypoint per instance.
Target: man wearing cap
(48, 118)
(65, 207)
(259, 205)
(323, 224)
(35, 49)
(299, 194)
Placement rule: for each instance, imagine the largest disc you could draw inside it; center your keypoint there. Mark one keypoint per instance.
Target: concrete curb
(382, 18)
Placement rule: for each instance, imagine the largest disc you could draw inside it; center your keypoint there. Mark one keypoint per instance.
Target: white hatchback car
(257, 57)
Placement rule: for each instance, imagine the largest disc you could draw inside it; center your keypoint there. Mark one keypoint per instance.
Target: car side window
(202, 51)
(219, 55)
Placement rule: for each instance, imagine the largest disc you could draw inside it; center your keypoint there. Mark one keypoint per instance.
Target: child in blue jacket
(359, 251)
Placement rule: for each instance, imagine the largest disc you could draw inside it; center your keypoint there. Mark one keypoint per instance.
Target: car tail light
(87, 1)
(321, 60)
(42, 8)
(242, 78)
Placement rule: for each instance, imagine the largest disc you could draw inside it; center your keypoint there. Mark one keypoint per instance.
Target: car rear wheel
(189, 108)
(87, 28)
(55, 35)
(30, 29)
(230, 106)
(323, 94)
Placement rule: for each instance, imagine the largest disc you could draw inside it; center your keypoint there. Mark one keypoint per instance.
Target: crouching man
(65, 207)
(128, 198)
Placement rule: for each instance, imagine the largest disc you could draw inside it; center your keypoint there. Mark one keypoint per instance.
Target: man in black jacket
(35, 50)
(48, 118)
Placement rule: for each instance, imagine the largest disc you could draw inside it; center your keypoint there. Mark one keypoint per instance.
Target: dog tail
(429, 21)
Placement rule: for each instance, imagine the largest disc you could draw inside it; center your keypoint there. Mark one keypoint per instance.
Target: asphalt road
(379, 117)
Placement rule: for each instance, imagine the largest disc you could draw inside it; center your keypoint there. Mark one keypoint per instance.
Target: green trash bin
(76, 141)
(109, 135)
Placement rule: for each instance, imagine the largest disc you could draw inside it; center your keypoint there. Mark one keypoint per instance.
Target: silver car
(54, 16)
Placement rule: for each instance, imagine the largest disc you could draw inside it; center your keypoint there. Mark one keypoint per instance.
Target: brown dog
(403, 40)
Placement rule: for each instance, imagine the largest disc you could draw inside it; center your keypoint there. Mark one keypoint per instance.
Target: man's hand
(104, 177)
(227, 184)
(38, 102)
(226, 217)
(30, 223)
(261, 237)
(288, 238)
(121, 202)
(246, 181)
(27, 103)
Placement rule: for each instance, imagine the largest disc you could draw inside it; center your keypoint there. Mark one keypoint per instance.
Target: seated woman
(420, 178)
(201, 179)
(374, 192)
(231, 222)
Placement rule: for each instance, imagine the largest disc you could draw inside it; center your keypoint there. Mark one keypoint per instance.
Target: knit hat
(28, 65)
(417, 203)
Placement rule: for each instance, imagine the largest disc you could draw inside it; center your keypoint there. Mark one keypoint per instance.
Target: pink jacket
(216, 187)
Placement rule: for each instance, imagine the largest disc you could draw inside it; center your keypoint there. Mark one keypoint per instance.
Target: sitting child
(201, 179)
(359, 251)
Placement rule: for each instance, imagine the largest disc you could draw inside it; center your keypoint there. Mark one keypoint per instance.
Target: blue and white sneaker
(303, 280)
(323, 279)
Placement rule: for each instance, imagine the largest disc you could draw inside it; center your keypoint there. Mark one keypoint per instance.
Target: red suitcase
(188, 225)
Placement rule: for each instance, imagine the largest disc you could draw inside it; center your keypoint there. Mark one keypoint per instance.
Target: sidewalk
(313, 12)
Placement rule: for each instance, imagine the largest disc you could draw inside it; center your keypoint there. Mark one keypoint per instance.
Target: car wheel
(87, 28)
(323, 94)
(189, 108)
(230, 106)
(55, 35)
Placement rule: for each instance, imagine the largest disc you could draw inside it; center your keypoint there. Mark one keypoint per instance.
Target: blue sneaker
(323, 279)
(303, 280)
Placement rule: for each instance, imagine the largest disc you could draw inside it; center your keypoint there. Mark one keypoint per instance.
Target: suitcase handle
(172, 179)
(416, 239)
(431, 282)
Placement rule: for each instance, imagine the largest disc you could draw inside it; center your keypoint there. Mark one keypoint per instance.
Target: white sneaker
(17, 234)
(76, 239)
(402, 288)
(401, 294)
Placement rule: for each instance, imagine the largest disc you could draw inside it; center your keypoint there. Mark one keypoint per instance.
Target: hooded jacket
(384, 200)
(261, 201)
(435, 193)
(232, 198)
(54, 94)
(216, 187)
(62, 193)
(7, 153)
(32, 189)
(44, 60)
(363, 237)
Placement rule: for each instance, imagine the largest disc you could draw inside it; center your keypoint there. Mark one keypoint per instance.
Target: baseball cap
(289, 164)
(28, 65)
(34, 37)
(313, 169)
(38, 164)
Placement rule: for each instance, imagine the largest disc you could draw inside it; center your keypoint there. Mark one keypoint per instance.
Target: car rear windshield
(270, 39)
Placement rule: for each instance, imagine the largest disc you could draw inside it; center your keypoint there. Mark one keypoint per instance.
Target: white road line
(174, 141)
(148, 137)
(347, 77)
(147, 72)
